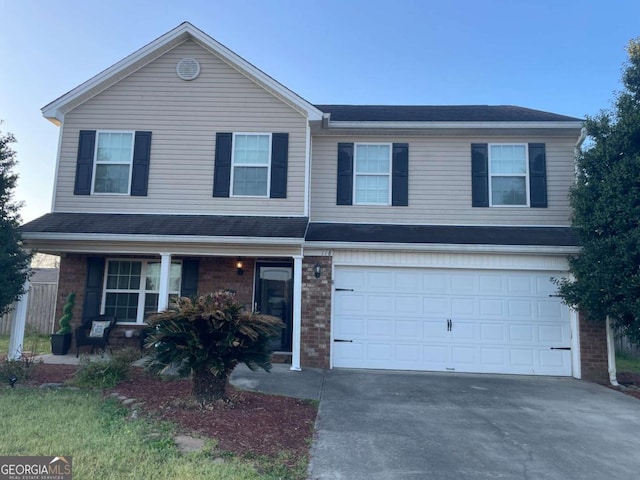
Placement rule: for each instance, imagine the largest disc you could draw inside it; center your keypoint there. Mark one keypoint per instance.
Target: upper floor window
(112, 162)
(372, 179)
(114, 156)
(251, 163)
(508, 173)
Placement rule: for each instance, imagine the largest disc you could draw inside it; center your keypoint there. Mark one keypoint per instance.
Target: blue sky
(563, 56)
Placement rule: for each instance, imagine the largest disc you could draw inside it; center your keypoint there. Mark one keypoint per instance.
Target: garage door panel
(380, 304)
(377, 327)
(444, 320)
(408, 328)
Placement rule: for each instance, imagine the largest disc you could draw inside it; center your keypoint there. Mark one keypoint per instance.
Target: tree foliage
(14, 260)
(207, 337)
(606, 211)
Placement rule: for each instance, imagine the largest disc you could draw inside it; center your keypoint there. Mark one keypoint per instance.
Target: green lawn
(626, 363)
(105, 443)
(40, 343)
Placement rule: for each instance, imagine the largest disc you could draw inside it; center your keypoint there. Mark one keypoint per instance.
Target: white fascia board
(104, 237)
(456, 125)
(446, 247)
(52, 111)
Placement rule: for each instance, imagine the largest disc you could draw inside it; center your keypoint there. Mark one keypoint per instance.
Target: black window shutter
(345, 174)
(93, 287)
(222, 165)
(538, 175)
(479, 175)
(84, 165)
(400, 175)
(279, 164)
(189, 284)
(141, 157)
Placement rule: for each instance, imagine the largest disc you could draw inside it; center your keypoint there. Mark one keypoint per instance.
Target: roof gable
(55, 110)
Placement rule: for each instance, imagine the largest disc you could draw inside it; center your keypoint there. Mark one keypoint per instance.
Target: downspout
(576, 149)
(611, 354)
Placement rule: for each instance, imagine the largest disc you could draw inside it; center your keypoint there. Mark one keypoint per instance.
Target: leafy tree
(207, 337)
(14, 260)
(606, 211)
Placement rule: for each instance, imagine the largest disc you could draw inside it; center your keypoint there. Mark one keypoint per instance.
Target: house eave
(452, 125)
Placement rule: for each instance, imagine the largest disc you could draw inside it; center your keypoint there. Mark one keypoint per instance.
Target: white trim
(56, 172)
(307, 170)
(185, 213)
(53, 110)
(576, 367)
(526, 174)
(297, 313)
(95, 162)
(106, 237)
(456, 125)
(250, 165)
(611, 353)
(163, 287)
(373, 174)
(445, 247)
(487, 225)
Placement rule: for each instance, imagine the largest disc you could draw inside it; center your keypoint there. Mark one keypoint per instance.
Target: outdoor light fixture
(317, 270)
(240, 265)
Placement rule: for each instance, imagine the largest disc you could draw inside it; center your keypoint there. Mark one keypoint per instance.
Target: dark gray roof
(190, 225)
(440, 113)
(375, 233)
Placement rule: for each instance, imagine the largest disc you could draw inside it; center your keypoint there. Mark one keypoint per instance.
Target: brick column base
(593, 350)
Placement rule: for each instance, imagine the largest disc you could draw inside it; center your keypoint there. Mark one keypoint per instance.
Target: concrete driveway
(402, 425)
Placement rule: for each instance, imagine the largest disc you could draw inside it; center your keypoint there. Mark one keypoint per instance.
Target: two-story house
(413, 237)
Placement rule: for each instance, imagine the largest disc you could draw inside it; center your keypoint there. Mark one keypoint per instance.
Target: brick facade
(216, 273)
(72, 278)
(593, 350)
(316, 313)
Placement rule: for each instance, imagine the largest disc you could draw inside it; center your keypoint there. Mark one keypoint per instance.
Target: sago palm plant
(207, 337)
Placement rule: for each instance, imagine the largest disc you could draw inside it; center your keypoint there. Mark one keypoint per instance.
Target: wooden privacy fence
(623, 346)
(40, 310)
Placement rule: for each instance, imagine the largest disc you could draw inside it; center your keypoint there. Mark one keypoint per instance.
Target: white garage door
(450, 320)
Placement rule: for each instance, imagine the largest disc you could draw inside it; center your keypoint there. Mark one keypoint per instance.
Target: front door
(274, 296)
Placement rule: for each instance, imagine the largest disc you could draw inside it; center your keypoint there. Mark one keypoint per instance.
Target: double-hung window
(372, 174)
(113, 162)
(131, 288)
(508, 174)
(251, 164)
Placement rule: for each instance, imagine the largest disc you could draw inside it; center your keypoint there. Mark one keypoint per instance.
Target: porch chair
(95, 332)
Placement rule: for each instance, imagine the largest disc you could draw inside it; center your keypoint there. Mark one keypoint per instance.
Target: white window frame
(356, 175)
(95, 162)
(525, 175)
(261, 165)
(141, 291)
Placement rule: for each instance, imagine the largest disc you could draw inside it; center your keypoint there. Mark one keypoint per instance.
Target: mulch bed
(249, 423)
(630, 383)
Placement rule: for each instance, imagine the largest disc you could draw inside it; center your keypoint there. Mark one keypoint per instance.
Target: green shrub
(105, 373)
(22, 369)
(67, 314)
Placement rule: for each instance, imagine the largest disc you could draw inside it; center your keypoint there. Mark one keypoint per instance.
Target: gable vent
(188, 68)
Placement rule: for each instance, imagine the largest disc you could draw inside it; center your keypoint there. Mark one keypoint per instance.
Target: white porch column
(163, 293)
(297, 313)
(16, 339)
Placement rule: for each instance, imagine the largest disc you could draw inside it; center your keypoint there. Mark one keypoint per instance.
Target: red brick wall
(73, 269)
(593, 350)
(316, 313)
(216, 273)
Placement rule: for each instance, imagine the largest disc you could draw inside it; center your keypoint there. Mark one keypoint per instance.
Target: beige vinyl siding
(440, 184)
(184, 117)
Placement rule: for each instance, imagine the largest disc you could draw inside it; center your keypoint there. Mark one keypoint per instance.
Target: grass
(106, 444)
(626, 363)
(33, 342)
